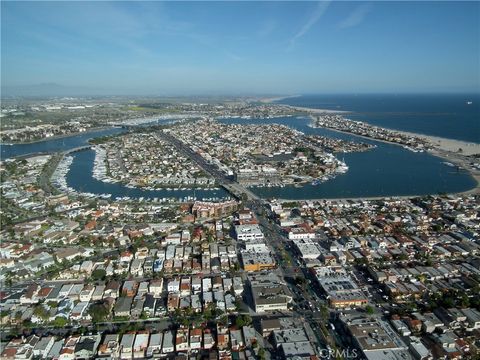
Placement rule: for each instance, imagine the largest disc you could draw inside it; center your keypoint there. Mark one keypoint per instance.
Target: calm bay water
(67, 142)
(59, 144)
(80, 177)
(387, 170)
(448, 116)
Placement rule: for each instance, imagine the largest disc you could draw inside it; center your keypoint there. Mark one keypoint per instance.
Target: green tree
(99, 274)
(52, 304)
(98, 312)
(41, 312)
(369, 310)
(236, 267)
(261, 353)
(59, 322)
(243, 320)
(223, 320)
(324, 313)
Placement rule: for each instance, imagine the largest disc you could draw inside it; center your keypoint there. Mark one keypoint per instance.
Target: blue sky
(242, 47)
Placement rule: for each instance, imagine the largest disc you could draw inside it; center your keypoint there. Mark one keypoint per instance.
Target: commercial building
(269, 292)
(341, 290)
(257, 261)
(248, 232)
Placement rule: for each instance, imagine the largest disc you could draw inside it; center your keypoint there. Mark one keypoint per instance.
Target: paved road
(213, 170)
(155, 324)
(308, 303)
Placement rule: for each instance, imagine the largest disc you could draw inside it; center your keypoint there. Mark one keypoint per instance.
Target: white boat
(411, 149)
(342, 167)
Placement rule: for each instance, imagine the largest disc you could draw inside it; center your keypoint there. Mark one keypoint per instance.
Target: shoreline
(278, 98)
(317, 111)
(302, 108)
(448, 144)
(57, 137)
(444, 153)
(443, 148)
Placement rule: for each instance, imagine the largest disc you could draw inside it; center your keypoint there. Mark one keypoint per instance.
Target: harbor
(384, 170)
(80, 178)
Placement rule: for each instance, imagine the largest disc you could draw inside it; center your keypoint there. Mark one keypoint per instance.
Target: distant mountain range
(46, 90)
(50, 89)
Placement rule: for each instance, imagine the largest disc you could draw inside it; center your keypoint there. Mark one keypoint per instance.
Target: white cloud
(355, 17)
(267, 27)
(312, 20)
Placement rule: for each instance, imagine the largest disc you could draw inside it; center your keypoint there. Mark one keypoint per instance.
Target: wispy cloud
(233, 56)
(355, 17)
(312, 20)
(266, 28)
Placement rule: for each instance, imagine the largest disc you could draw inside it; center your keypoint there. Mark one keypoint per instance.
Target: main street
(308, 303)
(222, 179)
(309, 309)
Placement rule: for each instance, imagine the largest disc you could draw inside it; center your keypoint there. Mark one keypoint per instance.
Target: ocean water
(387, 170)
(446, 115)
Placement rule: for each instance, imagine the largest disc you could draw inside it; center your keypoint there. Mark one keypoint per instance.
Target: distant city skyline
(239, 48)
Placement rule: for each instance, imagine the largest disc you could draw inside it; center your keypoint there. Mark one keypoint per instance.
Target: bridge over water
(77, 149)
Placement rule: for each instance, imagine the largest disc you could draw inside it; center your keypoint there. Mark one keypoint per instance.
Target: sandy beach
(301, 108)
(451, 145)
(278, 98)
(447, 149)
(318, 111)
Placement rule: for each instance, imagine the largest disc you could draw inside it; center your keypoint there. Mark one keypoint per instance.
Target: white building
(248, 232)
